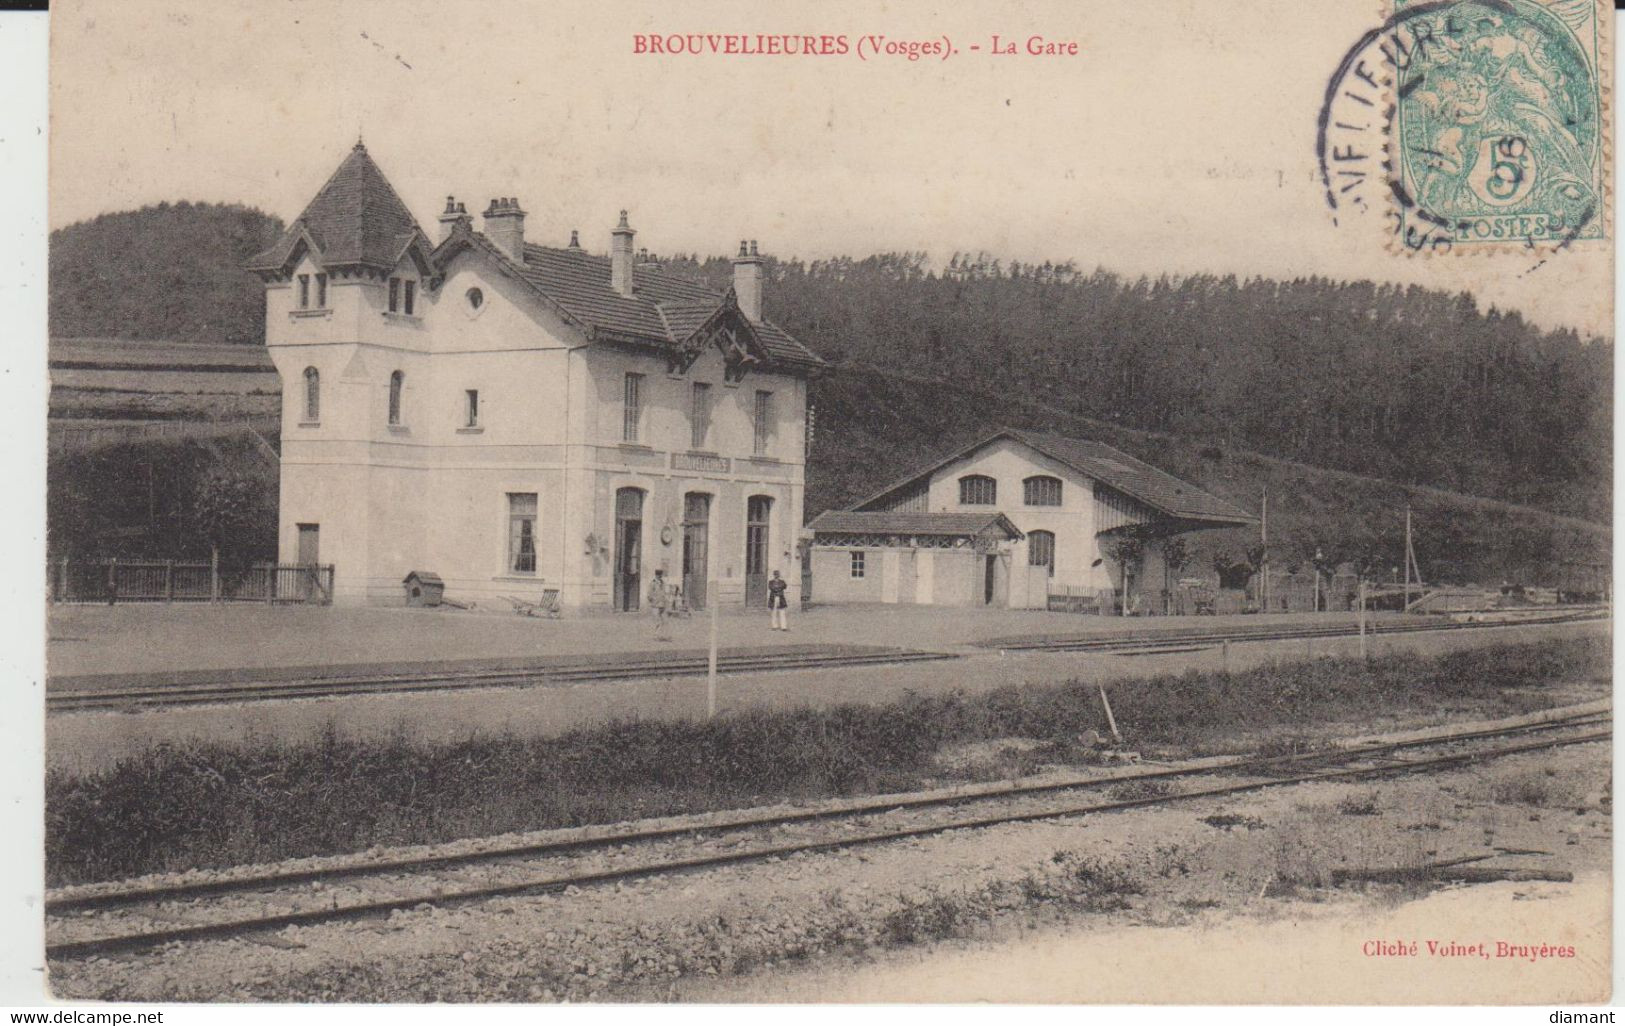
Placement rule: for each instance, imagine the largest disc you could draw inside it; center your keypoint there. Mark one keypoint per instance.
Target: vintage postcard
(722, 502)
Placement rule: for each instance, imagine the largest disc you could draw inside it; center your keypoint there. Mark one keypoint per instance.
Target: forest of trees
(1403, 383)
(173, 271)
(1408, 384)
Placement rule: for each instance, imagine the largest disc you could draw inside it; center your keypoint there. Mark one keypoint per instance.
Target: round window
(475, 298)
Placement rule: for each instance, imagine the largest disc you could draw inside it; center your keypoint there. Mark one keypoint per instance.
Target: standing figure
(659, 604)
(776, 602)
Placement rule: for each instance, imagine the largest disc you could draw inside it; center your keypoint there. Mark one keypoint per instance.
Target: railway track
(452, 679)
(99, 919)
(1154, 642)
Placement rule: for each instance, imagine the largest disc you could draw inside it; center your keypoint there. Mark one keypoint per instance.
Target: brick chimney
(505, 226)
(620, 257)
(455, 214)
(748, 280)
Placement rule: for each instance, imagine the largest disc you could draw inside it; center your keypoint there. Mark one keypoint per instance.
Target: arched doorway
(696, 547)
(628, 548)
(758, 517)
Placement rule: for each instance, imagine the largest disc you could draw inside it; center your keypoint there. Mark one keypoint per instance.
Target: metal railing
(111, 581)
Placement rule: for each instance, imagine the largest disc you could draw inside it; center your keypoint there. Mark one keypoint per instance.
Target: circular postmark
(1472, 124)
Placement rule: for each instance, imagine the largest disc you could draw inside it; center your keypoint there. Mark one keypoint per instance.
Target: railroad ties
(227, 905)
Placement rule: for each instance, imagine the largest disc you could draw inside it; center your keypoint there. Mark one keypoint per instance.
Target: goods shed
(944, 559)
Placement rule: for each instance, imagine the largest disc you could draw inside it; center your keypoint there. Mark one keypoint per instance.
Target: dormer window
(321, 291)
(402, 295)
(304, 292)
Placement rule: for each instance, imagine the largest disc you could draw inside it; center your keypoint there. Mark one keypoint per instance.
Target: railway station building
(1018, 520)
(523, 420)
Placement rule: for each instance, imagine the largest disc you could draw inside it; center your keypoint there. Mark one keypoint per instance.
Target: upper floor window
(321, 291)
(471, 407)
(858, 564)
(1042, 490)
(763, 422)
(304, 292)
(699, 415)
(978, 490)
(394, 295)
(396, 381)
(632, 412)
(313, 395)
(1041, 550)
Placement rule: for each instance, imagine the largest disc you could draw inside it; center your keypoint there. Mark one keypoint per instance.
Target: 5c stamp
(1478, 122)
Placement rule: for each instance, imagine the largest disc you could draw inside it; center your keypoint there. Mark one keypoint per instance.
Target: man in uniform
(777, 603)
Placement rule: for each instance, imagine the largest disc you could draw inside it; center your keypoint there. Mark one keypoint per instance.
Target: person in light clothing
(777, 604)
(659, 604)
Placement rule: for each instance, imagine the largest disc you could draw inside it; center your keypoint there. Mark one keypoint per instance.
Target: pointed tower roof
(356, 218)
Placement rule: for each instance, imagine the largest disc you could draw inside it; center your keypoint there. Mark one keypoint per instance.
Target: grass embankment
(184, 806)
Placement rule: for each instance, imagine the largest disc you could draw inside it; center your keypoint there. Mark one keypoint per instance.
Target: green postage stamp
(1500, 130)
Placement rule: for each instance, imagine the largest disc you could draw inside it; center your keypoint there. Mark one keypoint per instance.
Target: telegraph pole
(713, 600)
(1264, 560)
(1407, 606)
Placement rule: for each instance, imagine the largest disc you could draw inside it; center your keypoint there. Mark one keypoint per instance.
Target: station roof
(1160, 491)
(955, 525)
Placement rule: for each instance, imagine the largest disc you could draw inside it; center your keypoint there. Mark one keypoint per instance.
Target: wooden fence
(116, 580)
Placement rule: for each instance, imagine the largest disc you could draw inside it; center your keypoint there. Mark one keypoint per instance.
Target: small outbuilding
(943, 559)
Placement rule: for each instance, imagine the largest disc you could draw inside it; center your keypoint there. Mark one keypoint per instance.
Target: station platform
(179, 638)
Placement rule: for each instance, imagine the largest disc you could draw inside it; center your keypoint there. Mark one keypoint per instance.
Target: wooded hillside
(1407, 384)
(165, 272)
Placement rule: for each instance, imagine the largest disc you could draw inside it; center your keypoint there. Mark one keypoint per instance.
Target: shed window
(978, 490)
(396, 381)
(522, 532)
(1041, 550)
(1042, 490)
(313, 395)
(857, 564)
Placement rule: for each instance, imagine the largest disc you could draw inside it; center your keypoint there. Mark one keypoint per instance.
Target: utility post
(712, 599)
(1407, 605)
(1264, 560)
(1362, 618)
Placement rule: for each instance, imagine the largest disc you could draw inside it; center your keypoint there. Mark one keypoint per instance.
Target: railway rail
(452, 679)
(1150, 642)
(98, 919)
